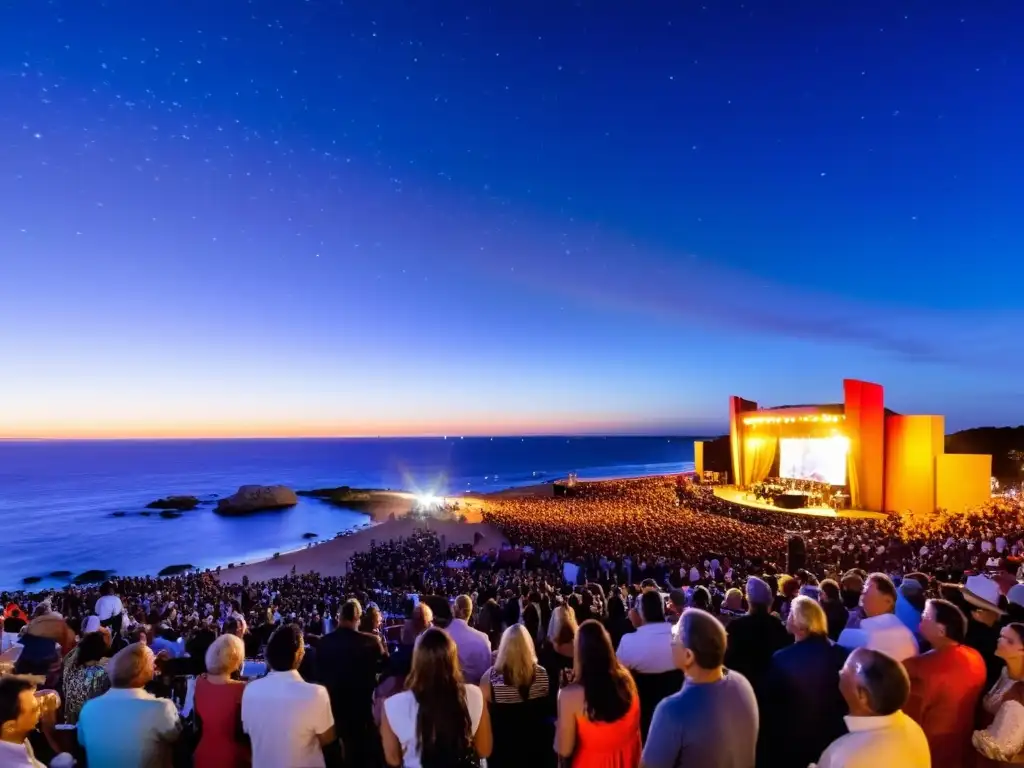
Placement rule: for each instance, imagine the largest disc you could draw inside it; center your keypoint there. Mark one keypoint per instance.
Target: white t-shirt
(402, 709)
(109, 606)
(283, 716)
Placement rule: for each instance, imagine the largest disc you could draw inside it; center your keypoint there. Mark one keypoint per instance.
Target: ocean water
(57, 497)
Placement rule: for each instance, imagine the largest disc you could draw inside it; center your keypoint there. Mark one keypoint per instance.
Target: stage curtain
(852, 480)
(758, 457)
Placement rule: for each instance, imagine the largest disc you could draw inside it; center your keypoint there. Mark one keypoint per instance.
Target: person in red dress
(218, 703)
(945, 685)
(599, 712)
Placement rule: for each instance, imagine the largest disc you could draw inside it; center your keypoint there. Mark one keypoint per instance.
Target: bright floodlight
(427, 500)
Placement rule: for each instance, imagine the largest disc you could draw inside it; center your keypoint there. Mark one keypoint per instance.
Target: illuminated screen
(814, 458)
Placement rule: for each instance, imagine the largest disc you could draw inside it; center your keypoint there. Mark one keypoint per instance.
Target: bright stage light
(428, 500)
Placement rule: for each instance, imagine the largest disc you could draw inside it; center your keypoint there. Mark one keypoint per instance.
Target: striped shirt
(507, 694)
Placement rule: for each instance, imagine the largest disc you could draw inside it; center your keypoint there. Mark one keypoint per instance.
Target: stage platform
(744, 499)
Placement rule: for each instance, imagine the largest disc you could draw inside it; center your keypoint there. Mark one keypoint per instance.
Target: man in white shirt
(288, 720)
(474, 646)
(881, 630)
(109, 605)
(649, 649)
(875, 687)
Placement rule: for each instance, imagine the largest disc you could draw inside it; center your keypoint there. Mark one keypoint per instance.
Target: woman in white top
(437, 721)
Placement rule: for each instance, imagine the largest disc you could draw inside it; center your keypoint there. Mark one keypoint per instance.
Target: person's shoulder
(473, 693)
(738, 682)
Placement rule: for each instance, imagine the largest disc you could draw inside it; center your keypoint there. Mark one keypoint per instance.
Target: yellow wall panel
(962, 480)
(912, 444)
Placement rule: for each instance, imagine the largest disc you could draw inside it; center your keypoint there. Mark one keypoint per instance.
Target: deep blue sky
(405, 217)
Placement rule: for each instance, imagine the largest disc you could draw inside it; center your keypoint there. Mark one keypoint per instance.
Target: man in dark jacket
(800, 703)
(347, 665)
(754, 638)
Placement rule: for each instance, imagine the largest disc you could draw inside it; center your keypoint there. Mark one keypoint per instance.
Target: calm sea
(57, 498)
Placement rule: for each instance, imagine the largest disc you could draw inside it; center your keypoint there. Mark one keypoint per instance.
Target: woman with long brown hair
(437, 721)
(599, 712)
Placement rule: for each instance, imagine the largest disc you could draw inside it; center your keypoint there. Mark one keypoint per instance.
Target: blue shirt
(128, 727)
(711, 725)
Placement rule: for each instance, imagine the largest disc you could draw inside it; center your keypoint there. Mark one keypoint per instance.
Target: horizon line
(524, 435)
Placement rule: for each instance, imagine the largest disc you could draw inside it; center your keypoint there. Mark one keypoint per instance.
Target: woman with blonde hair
(218, 708)
(557, 653)
(437, 721)
(516, 690)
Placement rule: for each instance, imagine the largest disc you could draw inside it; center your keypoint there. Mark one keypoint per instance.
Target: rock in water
(174, 570)
(256, 498)
(179, 503)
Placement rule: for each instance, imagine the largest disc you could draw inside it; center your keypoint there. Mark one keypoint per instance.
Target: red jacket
(945, 687)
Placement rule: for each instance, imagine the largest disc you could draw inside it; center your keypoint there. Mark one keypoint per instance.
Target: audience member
(755, 637)
(474, 647)
(1001, 742)
(876, 687)
(289, 721)
(713, 720)
(127, 726)
(945, 685)
(880, 629)
(348, 662)
(439, 720)
(649, 649)
(218, 707)
(799, 692)
(516, 690)
(599, 712)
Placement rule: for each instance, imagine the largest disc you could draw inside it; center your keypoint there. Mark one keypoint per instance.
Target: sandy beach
(331, 558)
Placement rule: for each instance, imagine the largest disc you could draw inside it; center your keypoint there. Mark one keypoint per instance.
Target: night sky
(381, 217)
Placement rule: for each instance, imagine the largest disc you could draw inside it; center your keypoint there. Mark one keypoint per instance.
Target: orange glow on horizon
(251, 430)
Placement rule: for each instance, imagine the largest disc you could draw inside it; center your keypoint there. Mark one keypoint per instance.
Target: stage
(744, 499)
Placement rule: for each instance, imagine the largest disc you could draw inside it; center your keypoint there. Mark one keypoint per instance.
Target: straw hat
(982, 592)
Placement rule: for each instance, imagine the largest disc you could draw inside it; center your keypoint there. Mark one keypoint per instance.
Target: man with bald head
(127, 726)
(474, 646)
(876, 688)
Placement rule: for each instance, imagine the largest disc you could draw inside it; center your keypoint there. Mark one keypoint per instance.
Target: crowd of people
(637, 622)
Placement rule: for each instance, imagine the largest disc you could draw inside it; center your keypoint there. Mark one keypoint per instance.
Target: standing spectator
(288, 720)
(982, 597)
(945, 684)
(910, 601)
(127, 726)
(712, 722)
(880, 629)
(218, 703)
(348, 663)
(516, 691)
(875, 687)
(649, 649)
(799, 692)
(438, 720)
(599, 712)
(832, 603)
(558, 650)
(474, 647)
(109, 608)
(754, 638)
(1001, 742)
(85, 677)
(617, 622)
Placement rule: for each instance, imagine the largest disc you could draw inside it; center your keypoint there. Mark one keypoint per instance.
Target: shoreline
(388, 516)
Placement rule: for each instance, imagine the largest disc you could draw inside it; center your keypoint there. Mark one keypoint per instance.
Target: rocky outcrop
(92, 577)
(174, 570)
(257, 498)
(60, 574)
(178, 503)
(309, 535)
